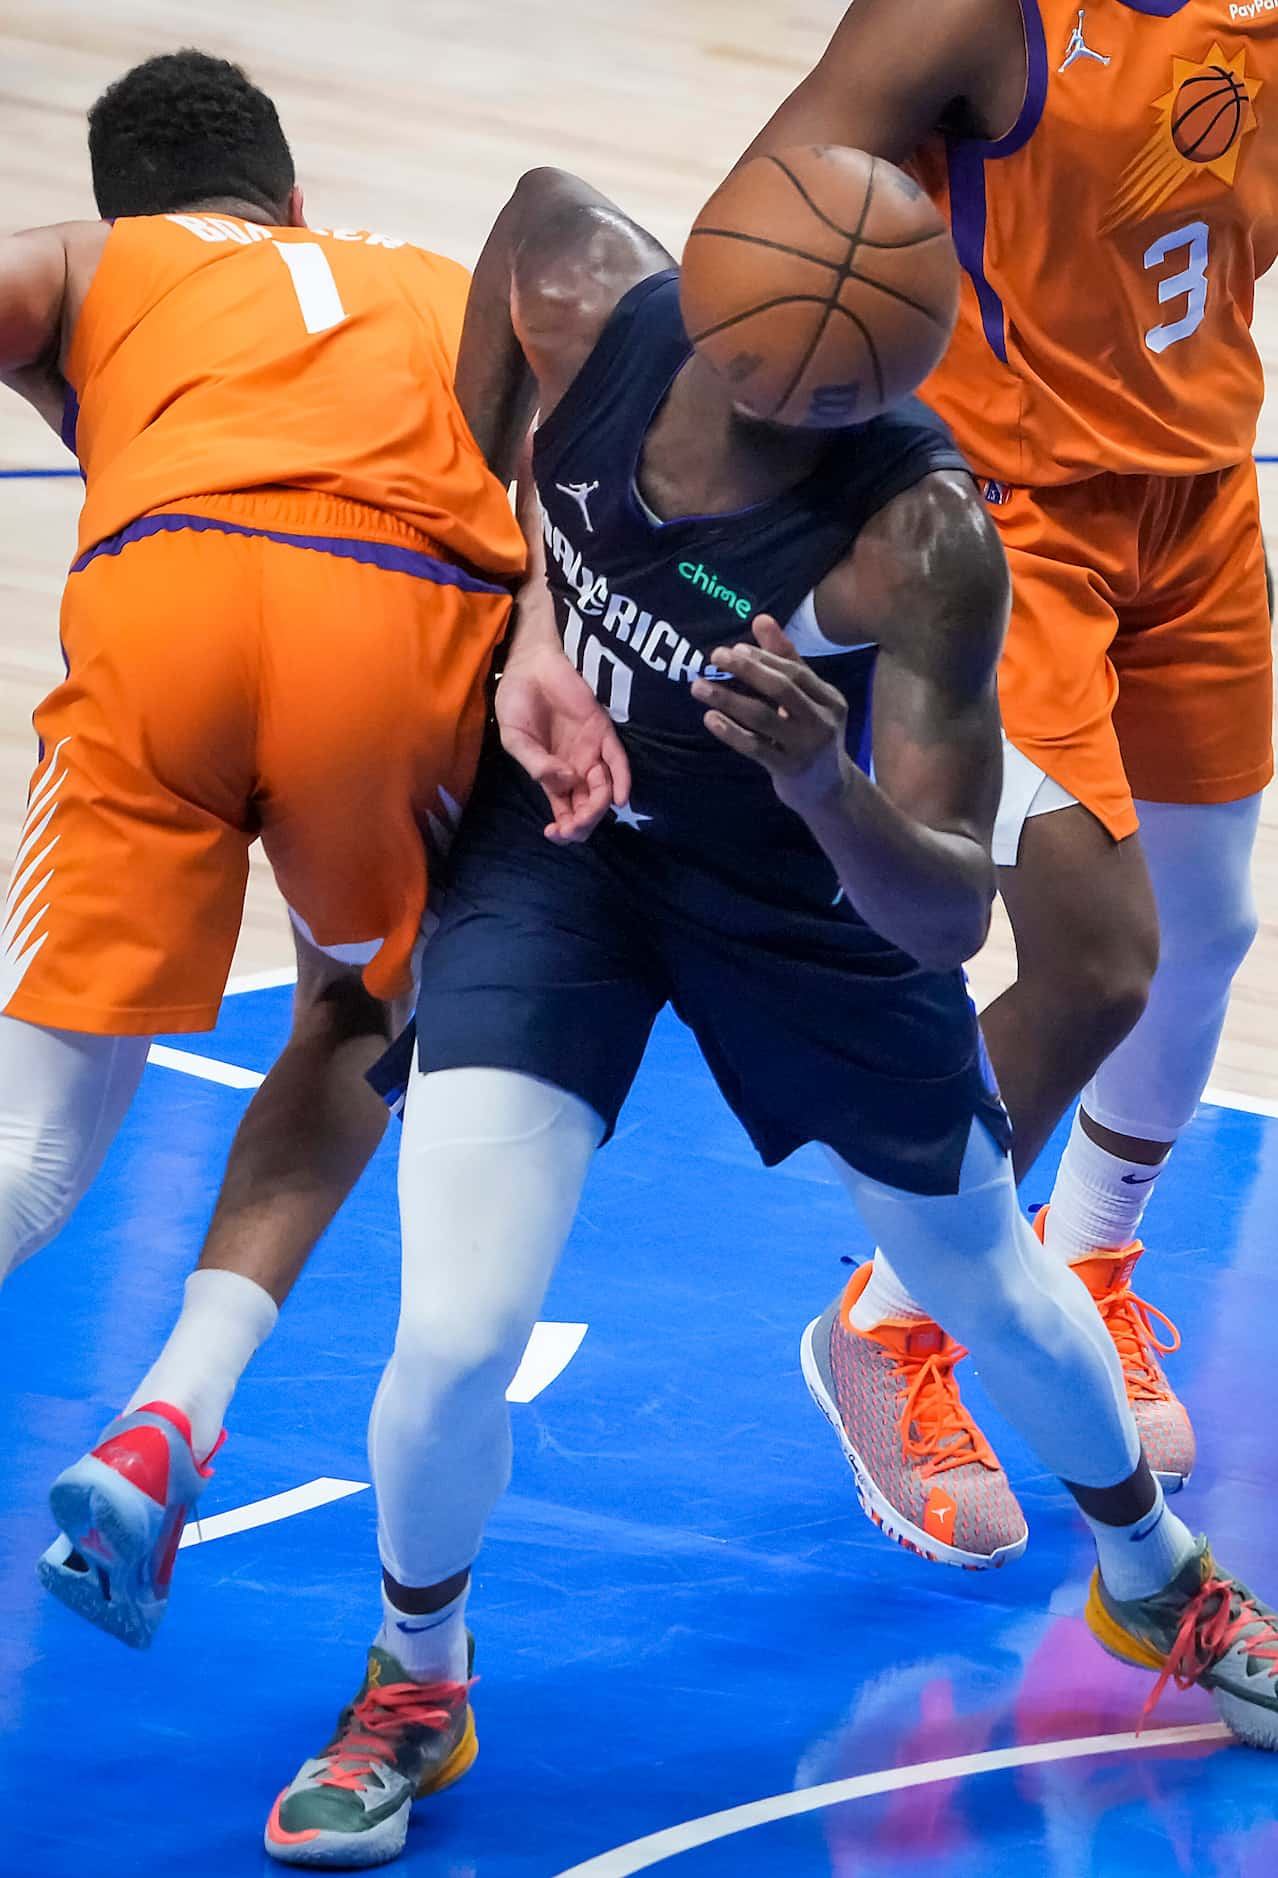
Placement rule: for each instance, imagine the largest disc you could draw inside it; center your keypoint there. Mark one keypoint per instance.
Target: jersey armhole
(566, 420)
(803, 630)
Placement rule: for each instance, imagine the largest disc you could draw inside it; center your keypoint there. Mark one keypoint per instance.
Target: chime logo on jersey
(1203, 122)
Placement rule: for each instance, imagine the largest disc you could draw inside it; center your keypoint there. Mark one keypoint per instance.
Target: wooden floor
(417, 120)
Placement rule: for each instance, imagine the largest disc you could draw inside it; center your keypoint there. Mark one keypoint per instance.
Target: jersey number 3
(1191, 281)
(313, 284)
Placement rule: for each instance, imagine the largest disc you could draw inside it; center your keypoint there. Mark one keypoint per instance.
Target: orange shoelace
(1216, 1618)
(1129, 1320)
(936, 1429)
(378, 1717)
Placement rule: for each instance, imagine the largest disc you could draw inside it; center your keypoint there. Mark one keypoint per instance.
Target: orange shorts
(1138, 661)
(278, 665)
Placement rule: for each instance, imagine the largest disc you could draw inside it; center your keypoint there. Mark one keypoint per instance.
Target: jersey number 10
(1191, 282)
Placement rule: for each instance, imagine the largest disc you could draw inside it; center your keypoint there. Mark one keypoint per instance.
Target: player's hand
(783, 716)
(555, 728)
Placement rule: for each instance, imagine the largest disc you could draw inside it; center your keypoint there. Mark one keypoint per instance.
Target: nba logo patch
(995, 493)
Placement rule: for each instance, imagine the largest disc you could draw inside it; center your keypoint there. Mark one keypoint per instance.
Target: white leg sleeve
(975, 1265)
(63, 1095)
(1199, 859)
(490, 1171)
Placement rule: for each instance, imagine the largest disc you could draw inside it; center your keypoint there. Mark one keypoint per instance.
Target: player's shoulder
(928, 559)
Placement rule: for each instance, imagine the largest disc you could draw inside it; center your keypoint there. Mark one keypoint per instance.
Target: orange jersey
(1111, 244)
(213, 355)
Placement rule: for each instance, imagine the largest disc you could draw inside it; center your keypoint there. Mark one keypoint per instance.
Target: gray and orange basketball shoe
(1205, 1627)
(121, 1510)
(1166, 1432)
(924, 1472)
(395, 1743)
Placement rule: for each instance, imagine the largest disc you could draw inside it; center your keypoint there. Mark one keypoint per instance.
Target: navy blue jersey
(641, 603)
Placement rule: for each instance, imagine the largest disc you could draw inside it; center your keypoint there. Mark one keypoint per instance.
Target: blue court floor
(680, 1611)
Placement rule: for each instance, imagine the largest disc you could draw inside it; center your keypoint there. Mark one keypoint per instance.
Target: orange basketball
(1208, 115)
(822, 284)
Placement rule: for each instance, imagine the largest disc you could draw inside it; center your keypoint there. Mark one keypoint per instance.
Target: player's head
(186, 129)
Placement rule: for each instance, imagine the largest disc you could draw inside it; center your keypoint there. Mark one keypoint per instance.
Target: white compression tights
(63, 1096)
(975, 1264)
(1199, 860)
(491, 1169)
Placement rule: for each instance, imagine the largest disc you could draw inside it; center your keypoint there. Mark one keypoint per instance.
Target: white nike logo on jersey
(1078, 47)
(581, 494)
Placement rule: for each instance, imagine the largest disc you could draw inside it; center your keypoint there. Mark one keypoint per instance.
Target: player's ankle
(883, 1298)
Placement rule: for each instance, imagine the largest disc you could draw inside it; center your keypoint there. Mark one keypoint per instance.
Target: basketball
(1208, 115)
(821, 284)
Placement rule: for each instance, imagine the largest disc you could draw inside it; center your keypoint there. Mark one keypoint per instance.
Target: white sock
(225, 1318)
(1137, 1561)
(431, 1649)
(884, 1297)
(1098, 1200)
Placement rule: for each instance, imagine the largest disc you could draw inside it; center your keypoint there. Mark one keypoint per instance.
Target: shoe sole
(1252, 1722)
(351, 1851)
(112, 1525)
(876, 1507)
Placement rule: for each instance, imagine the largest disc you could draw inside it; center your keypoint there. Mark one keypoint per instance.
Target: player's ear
(296, 207)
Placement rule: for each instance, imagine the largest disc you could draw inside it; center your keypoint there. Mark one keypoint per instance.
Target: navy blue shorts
(556, 961)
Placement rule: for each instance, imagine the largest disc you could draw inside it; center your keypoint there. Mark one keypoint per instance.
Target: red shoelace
(946, 1437)
(378, 1717)
(1216, 1618)
(1129, 1320)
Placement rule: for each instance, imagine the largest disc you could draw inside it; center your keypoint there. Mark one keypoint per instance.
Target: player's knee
(41, 1182)
(1209, 948)
(451, 1355)
(1097, 979)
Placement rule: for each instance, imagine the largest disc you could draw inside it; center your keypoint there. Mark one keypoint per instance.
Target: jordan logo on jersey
(580, 494)
(1078, 47)
(1203, 123)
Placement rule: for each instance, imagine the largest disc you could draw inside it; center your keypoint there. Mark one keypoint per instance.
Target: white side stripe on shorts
(24, 911)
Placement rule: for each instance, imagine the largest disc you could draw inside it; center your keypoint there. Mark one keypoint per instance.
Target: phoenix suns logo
(1203, 122)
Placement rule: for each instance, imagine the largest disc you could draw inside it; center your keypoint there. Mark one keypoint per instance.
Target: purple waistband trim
(383, 554)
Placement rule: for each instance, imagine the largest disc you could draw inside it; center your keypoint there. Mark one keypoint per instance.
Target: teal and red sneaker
(395, 1743)
(121, 1510)
(1205, 1627)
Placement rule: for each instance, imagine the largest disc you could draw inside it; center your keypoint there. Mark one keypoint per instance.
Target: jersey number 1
(1191, 281)
(313, 284)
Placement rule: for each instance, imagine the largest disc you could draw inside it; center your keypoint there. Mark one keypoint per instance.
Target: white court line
(260, 981)
(187, 1063)
(1247, 1105)
(643, 1854)
(550, 1350)
(266, 1512)
(231, 1076)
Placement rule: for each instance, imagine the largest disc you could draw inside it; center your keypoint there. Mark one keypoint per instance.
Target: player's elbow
(962, 928)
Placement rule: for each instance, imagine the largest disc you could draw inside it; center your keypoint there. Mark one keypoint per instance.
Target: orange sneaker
(1166, 1433)
(925, 1474)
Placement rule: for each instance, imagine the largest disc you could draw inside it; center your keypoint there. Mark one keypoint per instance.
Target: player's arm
(927, 581)
(550, 721)
(898, 70)
(33, 291)
(559, 258)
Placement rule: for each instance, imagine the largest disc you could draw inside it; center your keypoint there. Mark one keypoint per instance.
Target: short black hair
(187, 128)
